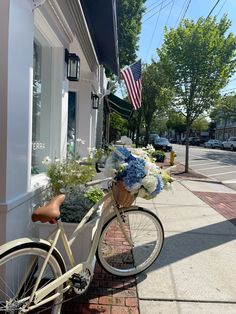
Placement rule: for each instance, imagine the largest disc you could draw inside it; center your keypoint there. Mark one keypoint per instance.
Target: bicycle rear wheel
(19, 268)
(117, 256)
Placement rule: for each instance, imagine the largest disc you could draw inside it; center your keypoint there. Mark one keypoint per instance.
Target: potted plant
(69, 177)
(159, 155)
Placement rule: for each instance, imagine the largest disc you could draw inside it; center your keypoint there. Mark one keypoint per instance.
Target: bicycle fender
(18, 242)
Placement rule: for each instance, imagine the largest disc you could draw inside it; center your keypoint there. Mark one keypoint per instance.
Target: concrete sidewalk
(196, 271)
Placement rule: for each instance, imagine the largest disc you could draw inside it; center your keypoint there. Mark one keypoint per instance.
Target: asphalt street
(216, 164)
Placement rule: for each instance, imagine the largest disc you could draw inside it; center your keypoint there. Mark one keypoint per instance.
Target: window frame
(58, 79)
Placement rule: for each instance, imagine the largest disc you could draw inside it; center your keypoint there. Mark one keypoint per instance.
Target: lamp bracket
(37, 3)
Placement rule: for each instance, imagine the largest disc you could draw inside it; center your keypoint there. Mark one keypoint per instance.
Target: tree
(200, 124)
(118, 127)
(129, 15)
(176, 122)
(155, 94)
(225, 111)
(199, 59)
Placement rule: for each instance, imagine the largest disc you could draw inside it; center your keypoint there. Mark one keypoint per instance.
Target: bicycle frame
(101, 208)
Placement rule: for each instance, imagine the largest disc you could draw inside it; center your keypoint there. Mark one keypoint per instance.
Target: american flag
(132, 78)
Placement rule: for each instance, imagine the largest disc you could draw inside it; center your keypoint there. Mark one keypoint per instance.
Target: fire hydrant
(172, 158)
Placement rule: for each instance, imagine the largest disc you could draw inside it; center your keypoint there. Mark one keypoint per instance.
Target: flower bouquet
(136, 174)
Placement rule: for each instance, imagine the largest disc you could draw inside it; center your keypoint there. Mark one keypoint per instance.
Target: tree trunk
(147, 132)
(138, 128)
(187, 145)
(225, 123)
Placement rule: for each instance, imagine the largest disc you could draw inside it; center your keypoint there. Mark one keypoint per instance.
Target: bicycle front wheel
(116, 255)
(19, 268)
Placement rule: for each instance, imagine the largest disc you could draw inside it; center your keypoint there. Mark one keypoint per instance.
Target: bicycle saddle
(50, 212)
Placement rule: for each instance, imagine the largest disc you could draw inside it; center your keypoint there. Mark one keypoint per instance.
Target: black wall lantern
(73, 66)
(95, 101)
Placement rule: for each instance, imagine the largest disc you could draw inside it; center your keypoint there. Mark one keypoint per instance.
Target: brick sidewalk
(223, 203)
(107, 294)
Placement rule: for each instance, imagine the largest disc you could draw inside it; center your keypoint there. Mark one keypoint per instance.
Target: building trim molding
(74, 15)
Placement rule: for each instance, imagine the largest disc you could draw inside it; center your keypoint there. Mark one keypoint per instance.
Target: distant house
(225, 130)
(44, 108)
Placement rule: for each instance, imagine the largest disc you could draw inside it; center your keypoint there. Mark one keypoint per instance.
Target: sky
(160, 13)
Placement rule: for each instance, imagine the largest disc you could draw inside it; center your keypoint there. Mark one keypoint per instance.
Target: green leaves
(129, 14)
(67, 173)
(199, 59)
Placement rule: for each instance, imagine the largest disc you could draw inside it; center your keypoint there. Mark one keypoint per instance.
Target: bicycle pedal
(81, 281)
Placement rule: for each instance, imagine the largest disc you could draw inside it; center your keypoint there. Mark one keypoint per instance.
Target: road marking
(223, 166)
(205, 164)
(196, 161)
(219, 174)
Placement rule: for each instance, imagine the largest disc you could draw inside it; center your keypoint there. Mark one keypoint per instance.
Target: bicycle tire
(14, 264)
(114, 253)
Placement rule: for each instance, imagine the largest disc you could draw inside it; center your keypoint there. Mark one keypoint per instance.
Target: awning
(101, 19)
(120, 106)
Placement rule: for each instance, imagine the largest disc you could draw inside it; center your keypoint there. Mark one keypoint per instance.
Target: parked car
(152, 138)
(173, 140)
(229, 144)
(163, 144)
(192, 141)
(213, 144)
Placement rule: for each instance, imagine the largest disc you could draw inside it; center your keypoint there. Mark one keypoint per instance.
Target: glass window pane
(41, 104)
(71, 141)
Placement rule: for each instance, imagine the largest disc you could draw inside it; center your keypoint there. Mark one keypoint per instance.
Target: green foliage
(118, 126)
(129, 15)
(76, 204)
(176, 122)
(200, 125)
(159, 155)
(156, 94)
(225, 111)
(159, 124)
(66, 173)
(94, 194)
(199, 59)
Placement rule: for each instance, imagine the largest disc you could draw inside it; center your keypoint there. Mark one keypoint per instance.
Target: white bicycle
(33, 274)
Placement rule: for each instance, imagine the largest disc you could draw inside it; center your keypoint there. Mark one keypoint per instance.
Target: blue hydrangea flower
(134, 172)
(121, 154)
(159, 187)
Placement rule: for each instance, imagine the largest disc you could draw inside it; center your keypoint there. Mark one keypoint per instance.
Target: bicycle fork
(121, 223)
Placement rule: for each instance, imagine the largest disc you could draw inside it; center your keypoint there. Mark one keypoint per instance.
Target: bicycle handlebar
(94, 182)
(86, 163)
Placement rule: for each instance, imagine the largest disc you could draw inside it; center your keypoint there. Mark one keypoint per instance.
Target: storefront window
(41, 103)
(71, 141)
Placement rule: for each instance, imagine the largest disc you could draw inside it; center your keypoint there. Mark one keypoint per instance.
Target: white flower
(142, 193)
(46, 160)
(92, 151)
(151, 168)
(135, 188)
(126, 140)
(150, 148)
(109, 169)
(149, 183)
(138, 152)
(80, 141)
(168, 186)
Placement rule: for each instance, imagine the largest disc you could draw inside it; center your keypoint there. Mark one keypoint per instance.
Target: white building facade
(40, 109)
